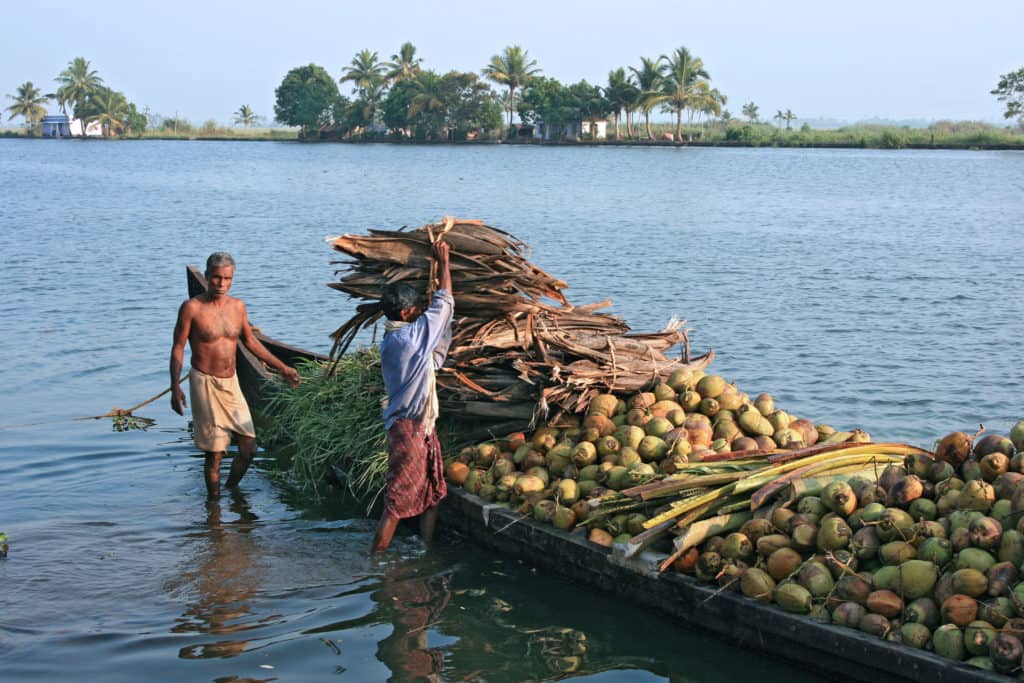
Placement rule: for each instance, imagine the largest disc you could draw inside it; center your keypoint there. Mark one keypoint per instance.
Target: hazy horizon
(912, 61)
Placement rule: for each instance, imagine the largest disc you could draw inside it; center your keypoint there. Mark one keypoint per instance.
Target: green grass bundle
(332, 425)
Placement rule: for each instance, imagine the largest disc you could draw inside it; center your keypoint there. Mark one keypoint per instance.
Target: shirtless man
(213, 323)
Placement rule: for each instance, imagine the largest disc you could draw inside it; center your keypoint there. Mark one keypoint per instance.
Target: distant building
(92, 130)
(56, 126)
(582, 130)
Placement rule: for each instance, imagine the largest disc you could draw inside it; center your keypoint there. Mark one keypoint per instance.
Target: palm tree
(113, 111)
(28, 102)
(648, 83)
(430, 101)
(788, 116)
(780, 116)
(403, 65)
(366, 71)
(512, 68)
(750, 111)
(245, 116)
(77, 82)
(620, 93)
(682, 73)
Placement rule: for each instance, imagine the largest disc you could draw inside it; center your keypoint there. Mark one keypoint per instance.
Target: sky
(896, 60)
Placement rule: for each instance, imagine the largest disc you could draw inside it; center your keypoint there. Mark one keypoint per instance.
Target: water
(861, 288)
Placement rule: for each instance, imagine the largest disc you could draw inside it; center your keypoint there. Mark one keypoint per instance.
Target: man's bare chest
(213, 325)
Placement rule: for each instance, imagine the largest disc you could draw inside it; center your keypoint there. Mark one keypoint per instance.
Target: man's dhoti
(415, 479)
(218, 410)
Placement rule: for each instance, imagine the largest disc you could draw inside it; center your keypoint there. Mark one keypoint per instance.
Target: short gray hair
(218, 259)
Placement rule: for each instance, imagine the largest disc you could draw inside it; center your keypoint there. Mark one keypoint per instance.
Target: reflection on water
(225, 579)
(413, 604)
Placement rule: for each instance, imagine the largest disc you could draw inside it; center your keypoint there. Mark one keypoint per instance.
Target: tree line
(400, 96)
(82, 91)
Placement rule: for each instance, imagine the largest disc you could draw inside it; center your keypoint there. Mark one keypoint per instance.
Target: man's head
(220, 271)
(400, 301)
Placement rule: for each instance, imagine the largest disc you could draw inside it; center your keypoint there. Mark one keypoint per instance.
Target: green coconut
(915, 635)
(793, 597)
(969, 582)
(652, 448)
(948, 642)
(710, 386)
(977, 637)
(757, 584)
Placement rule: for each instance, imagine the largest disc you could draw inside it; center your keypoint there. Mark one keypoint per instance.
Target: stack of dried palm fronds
(519, 351)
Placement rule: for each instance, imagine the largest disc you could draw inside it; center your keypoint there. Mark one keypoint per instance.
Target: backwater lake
(862, 288)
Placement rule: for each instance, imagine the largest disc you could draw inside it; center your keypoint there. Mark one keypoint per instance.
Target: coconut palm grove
(398, 99)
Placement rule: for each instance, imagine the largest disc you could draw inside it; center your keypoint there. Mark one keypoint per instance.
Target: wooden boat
(825, 649)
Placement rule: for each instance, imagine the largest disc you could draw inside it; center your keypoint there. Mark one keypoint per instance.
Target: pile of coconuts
(930, 554)
(622, 442)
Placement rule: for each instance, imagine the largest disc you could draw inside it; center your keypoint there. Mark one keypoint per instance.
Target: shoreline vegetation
(401, 101)
(939, 136)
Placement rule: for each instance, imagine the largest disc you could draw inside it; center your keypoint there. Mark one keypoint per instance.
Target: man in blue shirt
(415, 346)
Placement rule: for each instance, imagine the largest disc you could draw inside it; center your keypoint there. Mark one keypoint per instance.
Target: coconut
(1011, 547)
(544, 510)
(970, 470)
(658, 426)
(744, 443)
(948, 642)
(779, 419)
(755, 529)
(906, 490)
(783, 562)
(886, 603)
(806, 427)
(1001, 577)
(710, 386)
(601, 537)
(894, 524)
(993, 443)
(585, 453)
(1017, 435)
(923, 509)
(976, 495)
(709, 407)
(642, 401)
(954, 448)
(811, 505)
(816, 578)
(766, 545)
(766, 443)
(940, 471)
(977, 637)
(848, 614)
(729, 578)
(567, 492)
(839, 498)
(757, 584)
(563, 518)
(681, 379)
(664, 392)
(969, 582)
(1005, 651)
(997, 612)
(793, 597)
(915, 635)
(754, 424)
(789, 438)
(985, 533)
(689, 400)
(638, 417)
(804, 537)
(938, 551)
(652, 448)
(841, 562)
(875, 625)
(923, 611)
(709, 564)
(959, 609)
(780, 518)
(456, 472)
(853, 588)
(833, 534)
(1006, 484)
(994, 464)
(896, 552)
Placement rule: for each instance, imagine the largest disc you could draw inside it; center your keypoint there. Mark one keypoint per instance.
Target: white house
(571, 131)
(92, 130)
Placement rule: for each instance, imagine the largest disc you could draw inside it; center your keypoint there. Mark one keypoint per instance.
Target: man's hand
(442, 251)
(291, 375)
(178, 401)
